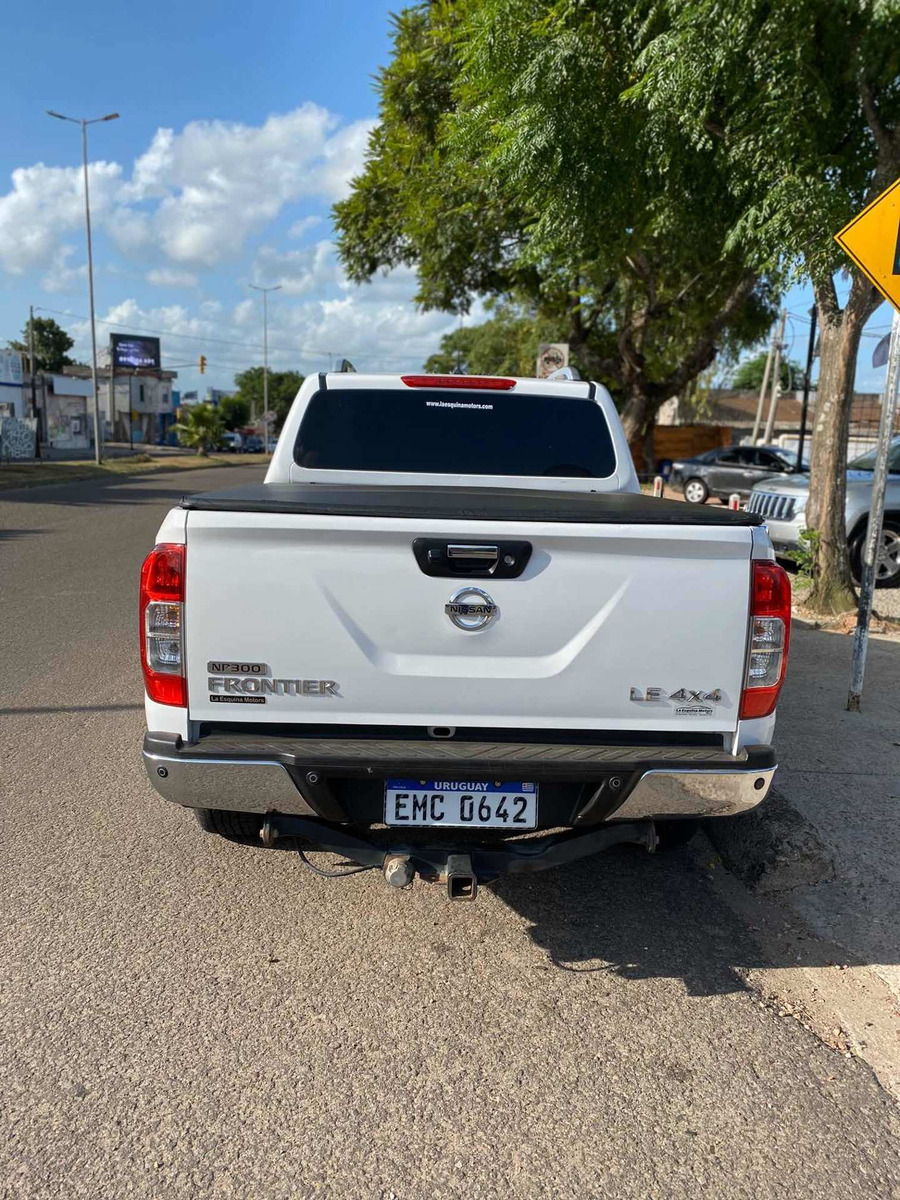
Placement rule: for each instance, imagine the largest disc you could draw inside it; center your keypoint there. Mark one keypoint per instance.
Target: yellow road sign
(872, 240)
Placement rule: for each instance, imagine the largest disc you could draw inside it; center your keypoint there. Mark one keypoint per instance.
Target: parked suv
(783, 504)
(729, 469)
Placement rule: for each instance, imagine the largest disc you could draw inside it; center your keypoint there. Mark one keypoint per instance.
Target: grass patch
(18, 475)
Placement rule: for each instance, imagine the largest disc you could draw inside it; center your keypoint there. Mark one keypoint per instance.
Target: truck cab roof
(454, 430)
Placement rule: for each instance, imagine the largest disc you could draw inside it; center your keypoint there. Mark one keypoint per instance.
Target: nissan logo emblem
(471, 609)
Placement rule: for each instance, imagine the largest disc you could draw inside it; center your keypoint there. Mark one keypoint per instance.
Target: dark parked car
(253, 444)
(730, 469)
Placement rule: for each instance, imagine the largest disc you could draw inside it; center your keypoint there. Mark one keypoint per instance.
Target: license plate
(475, 805)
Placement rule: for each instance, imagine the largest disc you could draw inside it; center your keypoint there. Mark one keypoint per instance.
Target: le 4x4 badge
(683, 695)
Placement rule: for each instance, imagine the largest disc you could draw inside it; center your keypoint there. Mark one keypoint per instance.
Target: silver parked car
(782, 501)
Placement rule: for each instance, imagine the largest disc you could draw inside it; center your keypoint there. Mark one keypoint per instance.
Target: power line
(197, 337)
(194, 337)
(872, 331)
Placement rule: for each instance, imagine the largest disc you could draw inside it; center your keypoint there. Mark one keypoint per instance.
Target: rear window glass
(448, 432)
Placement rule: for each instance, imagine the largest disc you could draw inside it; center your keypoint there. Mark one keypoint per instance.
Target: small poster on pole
(552, 356)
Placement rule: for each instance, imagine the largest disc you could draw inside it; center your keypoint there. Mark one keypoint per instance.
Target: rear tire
(695, 491)
(673, 834)
(888, 573)
(240, 827)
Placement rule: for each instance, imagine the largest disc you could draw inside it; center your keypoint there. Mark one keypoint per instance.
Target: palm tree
(200, 427)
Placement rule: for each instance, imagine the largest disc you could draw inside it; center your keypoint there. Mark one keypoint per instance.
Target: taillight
(770, 635)
(162, 624)
(490, 383)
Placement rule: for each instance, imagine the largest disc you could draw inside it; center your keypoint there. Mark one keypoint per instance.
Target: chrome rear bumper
(670, 793)
(619, 783)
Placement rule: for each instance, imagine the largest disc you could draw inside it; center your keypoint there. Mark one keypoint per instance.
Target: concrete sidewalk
(841, 771)
(826, 842)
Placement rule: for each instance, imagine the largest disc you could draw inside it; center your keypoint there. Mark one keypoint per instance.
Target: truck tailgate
(283, 602)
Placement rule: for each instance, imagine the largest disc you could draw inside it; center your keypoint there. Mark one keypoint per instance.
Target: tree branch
(704, 349)
(885, 139)
(826, 299)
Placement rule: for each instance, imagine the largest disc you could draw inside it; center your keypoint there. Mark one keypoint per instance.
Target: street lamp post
(265, 295)
(83, 122)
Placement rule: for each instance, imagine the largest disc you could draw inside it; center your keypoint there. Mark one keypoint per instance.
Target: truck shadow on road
(10, 535)
(637, 916)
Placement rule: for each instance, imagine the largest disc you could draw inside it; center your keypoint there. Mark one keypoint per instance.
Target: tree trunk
(838, 345)
(638, 419)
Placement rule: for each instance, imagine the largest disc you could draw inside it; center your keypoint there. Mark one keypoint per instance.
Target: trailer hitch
(462, 872)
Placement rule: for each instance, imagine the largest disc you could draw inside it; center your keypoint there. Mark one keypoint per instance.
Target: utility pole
(34, 411)
(776, 381)
(98, 457)
(810, 355)
(872, 551)
(763, 389)
(112, 392)
(265, 294)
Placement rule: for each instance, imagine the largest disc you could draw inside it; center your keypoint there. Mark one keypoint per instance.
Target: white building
(142, 409)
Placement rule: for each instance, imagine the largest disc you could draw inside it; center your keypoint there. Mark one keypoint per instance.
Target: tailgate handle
(483, 553)
(443, 559)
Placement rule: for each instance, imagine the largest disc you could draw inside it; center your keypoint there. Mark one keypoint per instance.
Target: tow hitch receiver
(400, 864)
(462, 882)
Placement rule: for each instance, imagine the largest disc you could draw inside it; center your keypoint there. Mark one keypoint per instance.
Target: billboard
(132, 353)
(11, 368)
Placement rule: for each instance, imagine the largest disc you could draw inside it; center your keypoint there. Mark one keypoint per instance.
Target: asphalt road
(185, 1017)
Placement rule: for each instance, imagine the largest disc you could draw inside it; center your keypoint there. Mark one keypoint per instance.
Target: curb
(772, 848)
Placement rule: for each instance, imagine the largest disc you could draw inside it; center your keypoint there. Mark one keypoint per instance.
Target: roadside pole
(265, 413)
(763, 389)
(872, 241)
(776, 382)
(804, 412)
(34, 411)
(876, 520)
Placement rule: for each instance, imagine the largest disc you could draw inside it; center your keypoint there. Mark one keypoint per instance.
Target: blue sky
(239, 127)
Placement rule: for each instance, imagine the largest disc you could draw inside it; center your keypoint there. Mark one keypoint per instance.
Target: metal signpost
(872, 240)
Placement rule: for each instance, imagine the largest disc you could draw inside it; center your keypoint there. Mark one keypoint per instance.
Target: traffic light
(202, 364)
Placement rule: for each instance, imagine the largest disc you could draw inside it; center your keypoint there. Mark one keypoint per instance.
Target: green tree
(749, 373)
(200, 428)
(51, 344)
(799, 102)
(506, 164)
(234, 412)
(283, 387)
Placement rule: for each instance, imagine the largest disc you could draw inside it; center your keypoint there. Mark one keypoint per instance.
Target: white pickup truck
(448, 636)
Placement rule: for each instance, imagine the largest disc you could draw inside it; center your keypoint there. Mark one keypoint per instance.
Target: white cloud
(130, 229)
(192, 201)
(169, 277)
(45, 203)
(299, 272)
(343, 158)
(61, 277)
(218, 182)
(375, 326)
(195, 195)
(302, 226)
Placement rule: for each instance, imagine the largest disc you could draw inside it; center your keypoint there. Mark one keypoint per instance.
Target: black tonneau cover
(464, 504)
